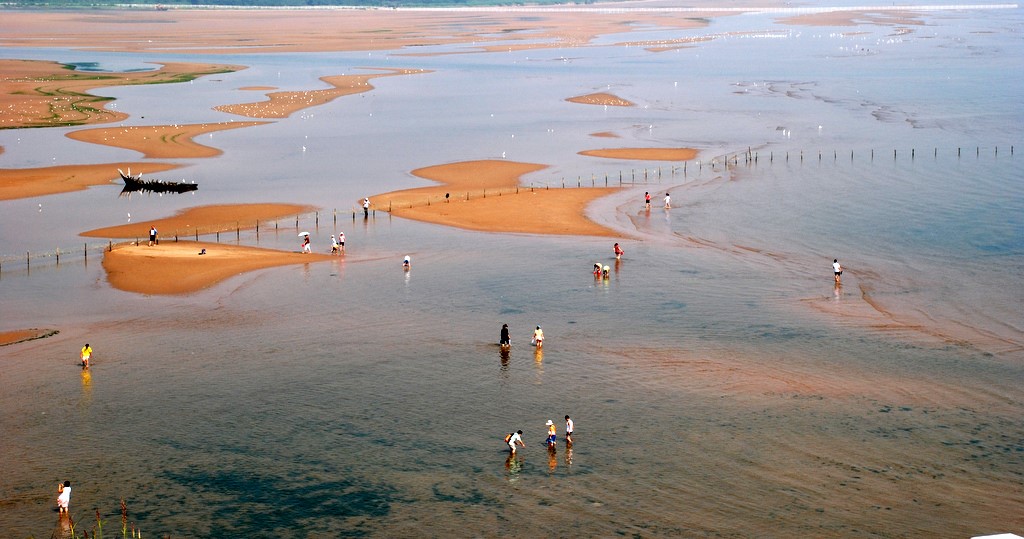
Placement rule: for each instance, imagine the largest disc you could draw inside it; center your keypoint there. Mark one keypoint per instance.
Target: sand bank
(45, 94)
(644, 154)
(284, 104)
(32, 182)
(204, 220)
(159, 141)
(178, 268)
(22, 335)
(855, 18)
(601, 98)
(487, 196)
(211, 32)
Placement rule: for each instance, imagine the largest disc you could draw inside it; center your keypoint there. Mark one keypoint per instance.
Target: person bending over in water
(618, 251)
(513, 439)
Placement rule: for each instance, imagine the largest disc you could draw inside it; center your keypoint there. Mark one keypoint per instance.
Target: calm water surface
(721, 385)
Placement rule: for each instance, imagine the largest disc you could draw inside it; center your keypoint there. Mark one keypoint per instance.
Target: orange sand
(32, 182)
(644, 154)
(178, 268)
(159, 141)
(205, 220)
(210, 31)
(854, 18)
(22, 335)
(601, 98)
(42, 94)
(284, 104)
(493, 203)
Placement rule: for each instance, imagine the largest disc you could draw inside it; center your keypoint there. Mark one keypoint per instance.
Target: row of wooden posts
(748, 157)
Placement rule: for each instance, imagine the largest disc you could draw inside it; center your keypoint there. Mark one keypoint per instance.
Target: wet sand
(178, 268)
(855, 18)
(209, 32)
(21, 335)
(284, 104)
(159, 141)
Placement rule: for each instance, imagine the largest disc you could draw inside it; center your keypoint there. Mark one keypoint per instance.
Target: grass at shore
(50, 94)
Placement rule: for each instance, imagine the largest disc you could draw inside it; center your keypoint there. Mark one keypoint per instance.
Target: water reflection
(538, 362)
(86, 385)
(513, 465)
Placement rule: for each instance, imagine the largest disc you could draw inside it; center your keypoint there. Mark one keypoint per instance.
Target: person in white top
(341, 241)
(568, 430)
(64, 496)
(837, 270)
(668, 201)
(517, 437)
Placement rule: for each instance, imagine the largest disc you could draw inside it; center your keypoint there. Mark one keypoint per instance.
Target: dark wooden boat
(136, 183)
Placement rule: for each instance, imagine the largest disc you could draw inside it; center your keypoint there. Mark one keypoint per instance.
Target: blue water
(721, 384)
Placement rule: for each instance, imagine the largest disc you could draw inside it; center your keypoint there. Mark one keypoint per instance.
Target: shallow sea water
(721, 385)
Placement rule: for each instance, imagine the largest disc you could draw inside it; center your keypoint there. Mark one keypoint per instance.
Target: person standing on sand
(618, 252)
(86, 354)
(647, 200)
(152, 236)
(516, 437)
(63, 497)
(837, 270)
(568, 430)
(341, 241)
(504, 340)
(668, 201)
(538, 337)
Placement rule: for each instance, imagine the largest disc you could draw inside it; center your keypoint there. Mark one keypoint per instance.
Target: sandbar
(159, 141)
(204, 220)
(209, 31)
(32, 182)
(644, 154)
(854, 18)
(601, 98)
(172, 268)
(36, 93)
(21, 335)
(284, 104)
(486, 195)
